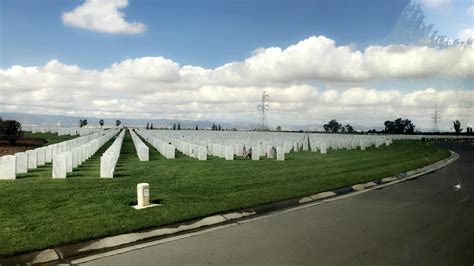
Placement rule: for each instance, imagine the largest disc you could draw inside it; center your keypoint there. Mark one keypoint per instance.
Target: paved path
(427, 221)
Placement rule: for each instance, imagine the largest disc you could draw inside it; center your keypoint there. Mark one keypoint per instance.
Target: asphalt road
(426, 221)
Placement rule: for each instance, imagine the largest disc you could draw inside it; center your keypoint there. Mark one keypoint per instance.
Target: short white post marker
(143, 197)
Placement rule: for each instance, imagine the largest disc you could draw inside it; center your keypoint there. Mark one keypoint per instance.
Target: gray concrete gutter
(74, 252)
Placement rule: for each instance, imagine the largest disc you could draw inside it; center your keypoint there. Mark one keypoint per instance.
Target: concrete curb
(74, 251)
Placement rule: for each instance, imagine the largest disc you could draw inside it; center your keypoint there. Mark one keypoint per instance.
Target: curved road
(426, 221)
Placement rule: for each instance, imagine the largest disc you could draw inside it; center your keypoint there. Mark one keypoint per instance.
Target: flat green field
(51, 138)
(37, 212)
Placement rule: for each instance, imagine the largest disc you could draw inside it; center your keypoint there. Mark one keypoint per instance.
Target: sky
(212, 60)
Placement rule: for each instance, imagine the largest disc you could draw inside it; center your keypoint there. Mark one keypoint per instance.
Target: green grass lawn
(37, 212)
(51, 138)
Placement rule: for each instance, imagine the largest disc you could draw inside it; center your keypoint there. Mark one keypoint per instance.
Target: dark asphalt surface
(426, 221)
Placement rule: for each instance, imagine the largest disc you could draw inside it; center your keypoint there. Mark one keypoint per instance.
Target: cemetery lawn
(50, 138)
(37, 212)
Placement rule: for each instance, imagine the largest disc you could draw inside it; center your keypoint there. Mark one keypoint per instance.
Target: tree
(457, 126)
(214, 127)
(349, 128)
(179, 126)
(219, 128)
(82, 122)
(147, 125)
(278, 128)
(151, 126)
(174, 126)
(197, 127)
(399, 126)
(101, 122)
(10, 130)
(332, 126)
(118, 123)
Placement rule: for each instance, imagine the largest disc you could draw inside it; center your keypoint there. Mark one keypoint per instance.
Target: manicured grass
(37, 212)
(51, 138)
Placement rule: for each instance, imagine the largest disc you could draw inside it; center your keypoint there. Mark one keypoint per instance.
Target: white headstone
(255, 153)
(40, 156)
(106, 166)
(280, 151)
(202, 153)
(31, 159)
(144, 153)
(8, 167)
(305, 144)
(296, 146)
(170, 151)
(377, 143)
(21, 162)
(88, 150)
(59, 166)
(229, 153)
(54, 151)
(68, 161)
(83, 154)
(314, 147)
(323, 148)
(215, 149)
(287, 147)
(270, 152)
(75, 157)
(48, 154)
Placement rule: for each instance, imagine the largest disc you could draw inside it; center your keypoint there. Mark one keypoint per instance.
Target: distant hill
(71, 121)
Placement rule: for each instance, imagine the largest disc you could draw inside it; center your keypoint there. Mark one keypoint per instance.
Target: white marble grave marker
(8, 167)
(68, 161)
(59, 166)
(31, 159)
(40, 156)
(229, 153)
(323, 148)
(48, 154)
(280, 151)
(21, 162)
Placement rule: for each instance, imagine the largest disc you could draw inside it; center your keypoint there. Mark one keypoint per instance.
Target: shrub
(10, 130)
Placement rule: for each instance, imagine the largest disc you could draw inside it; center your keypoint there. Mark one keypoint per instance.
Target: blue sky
(212, 60)
(205, 33)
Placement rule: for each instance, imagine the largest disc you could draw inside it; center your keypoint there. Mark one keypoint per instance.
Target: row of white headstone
(237, 139)
(21, 162)
(142, 150)
(266, 143)
(109, 159)
(165, 148)
(200, 149)
(67, 160)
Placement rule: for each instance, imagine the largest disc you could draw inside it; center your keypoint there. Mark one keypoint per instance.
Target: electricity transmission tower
(263, 107)
(436, 117)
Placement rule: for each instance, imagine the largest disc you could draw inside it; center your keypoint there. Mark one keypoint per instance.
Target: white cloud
(466, 34)
(470, 11)
(157, 87)
(103, 16)
(318, 58)
(436, 4)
